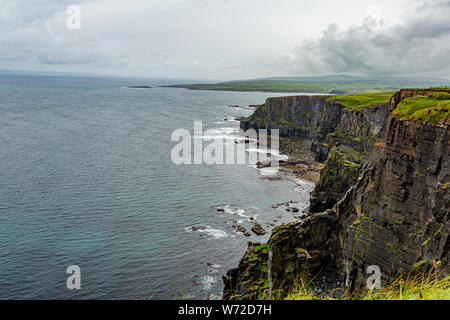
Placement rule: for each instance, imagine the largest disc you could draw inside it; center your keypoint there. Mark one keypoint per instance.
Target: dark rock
(251, 270)
(336, 177)
(261, 165)
(397, 213)
(199, 228)
(337, 92)
(258, 230)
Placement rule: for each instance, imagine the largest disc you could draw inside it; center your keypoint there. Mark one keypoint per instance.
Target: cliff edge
(382, 199)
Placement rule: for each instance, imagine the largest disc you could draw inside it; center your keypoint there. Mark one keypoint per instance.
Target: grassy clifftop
(432, 108)
(361, 101)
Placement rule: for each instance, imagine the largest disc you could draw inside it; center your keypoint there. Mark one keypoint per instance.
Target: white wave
(273, 153)
(235, 211)
(222, 137)
(225, 133)
(303, 183)
(207, 282)
(215, 233)
(269, 171)
(219, 131)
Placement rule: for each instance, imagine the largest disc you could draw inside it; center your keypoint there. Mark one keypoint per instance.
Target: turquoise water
(86, 178)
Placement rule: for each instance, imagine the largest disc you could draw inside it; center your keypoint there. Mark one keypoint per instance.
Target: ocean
(86, 179)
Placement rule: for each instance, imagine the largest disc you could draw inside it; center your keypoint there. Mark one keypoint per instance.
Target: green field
(346, 86)
(296, 86)
(361, 101)
(432, 108)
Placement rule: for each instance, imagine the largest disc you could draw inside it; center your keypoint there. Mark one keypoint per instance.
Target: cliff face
(394, 215)
(328, 124)
(340, 172)
(325, 122)
(397, 214)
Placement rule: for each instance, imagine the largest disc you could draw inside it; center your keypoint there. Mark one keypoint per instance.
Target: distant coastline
(193, 87)
(317, 85)
(139, 87)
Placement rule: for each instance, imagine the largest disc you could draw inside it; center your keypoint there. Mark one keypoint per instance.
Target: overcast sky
(228, 39)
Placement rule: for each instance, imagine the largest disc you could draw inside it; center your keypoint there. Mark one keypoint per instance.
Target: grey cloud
(418, 44)
(222, 38)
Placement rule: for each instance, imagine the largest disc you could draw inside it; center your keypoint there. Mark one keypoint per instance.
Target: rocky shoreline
(301, 164)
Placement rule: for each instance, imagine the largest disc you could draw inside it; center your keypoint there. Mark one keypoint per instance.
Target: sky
(227, 39)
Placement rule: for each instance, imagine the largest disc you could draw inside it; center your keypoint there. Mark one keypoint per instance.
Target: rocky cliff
(326, 122)
(397, 213)
(330, 126)
(392, 205)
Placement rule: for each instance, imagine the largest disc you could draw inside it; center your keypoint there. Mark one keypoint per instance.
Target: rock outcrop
(326, 123)
(388, 209)
(340, 172)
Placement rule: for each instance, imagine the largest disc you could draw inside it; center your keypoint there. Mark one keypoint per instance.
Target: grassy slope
(361, 101)
(432, 108)
(424, 287)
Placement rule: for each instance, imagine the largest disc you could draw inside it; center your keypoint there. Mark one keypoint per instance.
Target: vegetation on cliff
(362, 101)
(432, 108)
(392, 215)
(339, 173)
(423, 287)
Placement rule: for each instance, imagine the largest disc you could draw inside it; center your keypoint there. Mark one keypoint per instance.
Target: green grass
(419, 288)
(364, 86)
(422, 287)
(362, 101)
(424, 282)
(432, 108)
